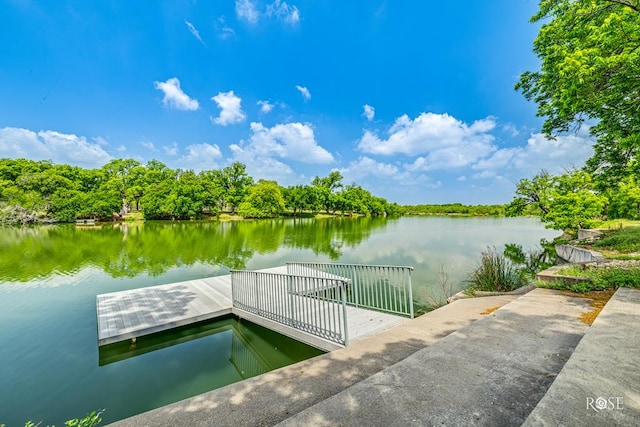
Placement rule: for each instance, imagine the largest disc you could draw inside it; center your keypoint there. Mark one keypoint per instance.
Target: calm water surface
(50, 366)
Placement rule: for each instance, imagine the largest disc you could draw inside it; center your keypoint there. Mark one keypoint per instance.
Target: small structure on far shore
(86, 221)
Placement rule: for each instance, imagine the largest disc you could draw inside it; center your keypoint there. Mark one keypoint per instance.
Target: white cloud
(149, 145)
(201, 157)
(445, 140)
(231, 110)
(226, 33)
(262, 167)
(50, 145)
(511, 129)
(369, 112)
(265, 106)
(171, 150)
(284, 12)
(174, 97)
(246, 10)
(121, 148)
(292, 141)
(553, 155)
(194, 31)
(305, 92)
(366, 166)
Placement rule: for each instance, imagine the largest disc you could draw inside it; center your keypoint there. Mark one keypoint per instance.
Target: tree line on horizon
(41, 191)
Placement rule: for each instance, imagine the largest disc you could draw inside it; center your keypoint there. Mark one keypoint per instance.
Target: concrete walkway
(600, 384)
(492, 372)
(277, 395)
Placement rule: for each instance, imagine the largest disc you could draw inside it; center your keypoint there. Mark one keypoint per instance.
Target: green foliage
(263, 201)
(624, 240)
(236, 182)
(454, 209)
(624, 201)
(325, 188)
(90, 420)
(565, 202)
(618, 278)
(575, 210)
(32, 192)
(589, 73)
(598, 279)
(589, 67)
(531, 262)
(495, 274)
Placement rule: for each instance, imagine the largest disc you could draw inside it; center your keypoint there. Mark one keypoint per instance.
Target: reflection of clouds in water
(454, 244)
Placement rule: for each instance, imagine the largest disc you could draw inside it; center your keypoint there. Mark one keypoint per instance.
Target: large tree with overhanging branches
(590, 68)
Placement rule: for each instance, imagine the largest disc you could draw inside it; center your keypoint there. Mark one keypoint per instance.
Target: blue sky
(413, 100)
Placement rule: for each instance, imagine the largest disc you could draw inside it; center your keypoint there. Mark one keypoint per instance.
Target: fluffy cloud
(554, 155)
(369, 112)
(246, 10)
(445, 140)
(366, 166)
(262, 167)
(201, 157)
(305, 92)
(265, 106)
(292, 141)
(230, 106)
(50, 145)
(284, 12)
(174, 97)
(171, 150)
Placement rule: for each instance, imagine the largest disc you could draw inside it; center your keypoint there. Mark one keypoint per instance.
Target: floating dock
(130, 314)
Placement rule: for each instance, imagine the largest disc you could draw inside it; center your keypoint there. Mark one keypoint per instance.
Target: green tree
(298, 198)
(624, 201)
(263, 201)
(532, 195)
(589, 68)
(236, 183)
(325, 188)
(120, 175)
(213, 186)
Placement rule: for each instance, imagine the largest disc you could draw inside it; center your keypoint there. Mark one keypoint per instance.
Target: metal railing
(313, 304)
(378, 287)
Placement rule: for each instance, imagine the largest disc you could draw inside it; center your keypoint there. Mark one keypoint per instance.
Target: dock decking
(138, 312)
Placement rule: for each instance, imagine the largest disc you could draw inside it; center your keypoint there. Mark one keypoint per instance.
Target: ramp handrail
(384, 288)
(316, 305)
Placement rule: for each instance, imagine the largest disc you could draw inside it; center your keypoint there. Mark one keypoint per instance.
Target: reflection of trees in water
(129, 249)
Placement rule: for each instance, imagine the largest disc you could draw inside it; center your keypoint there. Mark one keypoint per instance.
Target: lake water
(50, 365)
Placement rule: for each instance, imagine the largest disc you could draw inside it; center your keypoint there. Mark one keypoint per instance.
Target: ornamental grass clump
(495, 274)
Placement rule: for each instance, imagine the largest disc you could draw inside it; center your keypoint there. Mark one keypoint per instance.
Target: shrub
(495, 274)
(623, 240)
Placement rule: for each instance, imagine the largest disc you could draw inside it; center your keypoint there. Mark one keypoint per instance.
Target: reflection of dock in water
(247, 360)
(248, 354)
(123, 350)
(297, 300)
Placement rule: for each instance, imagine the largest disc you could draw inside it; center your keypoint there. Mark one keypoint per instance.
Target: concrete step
(600, 383)
(277, 395)
(492, 372)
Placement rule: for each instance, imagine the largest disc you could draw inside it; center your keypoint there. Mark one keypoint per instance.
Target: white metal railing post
(343, 291)
(410, 293)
